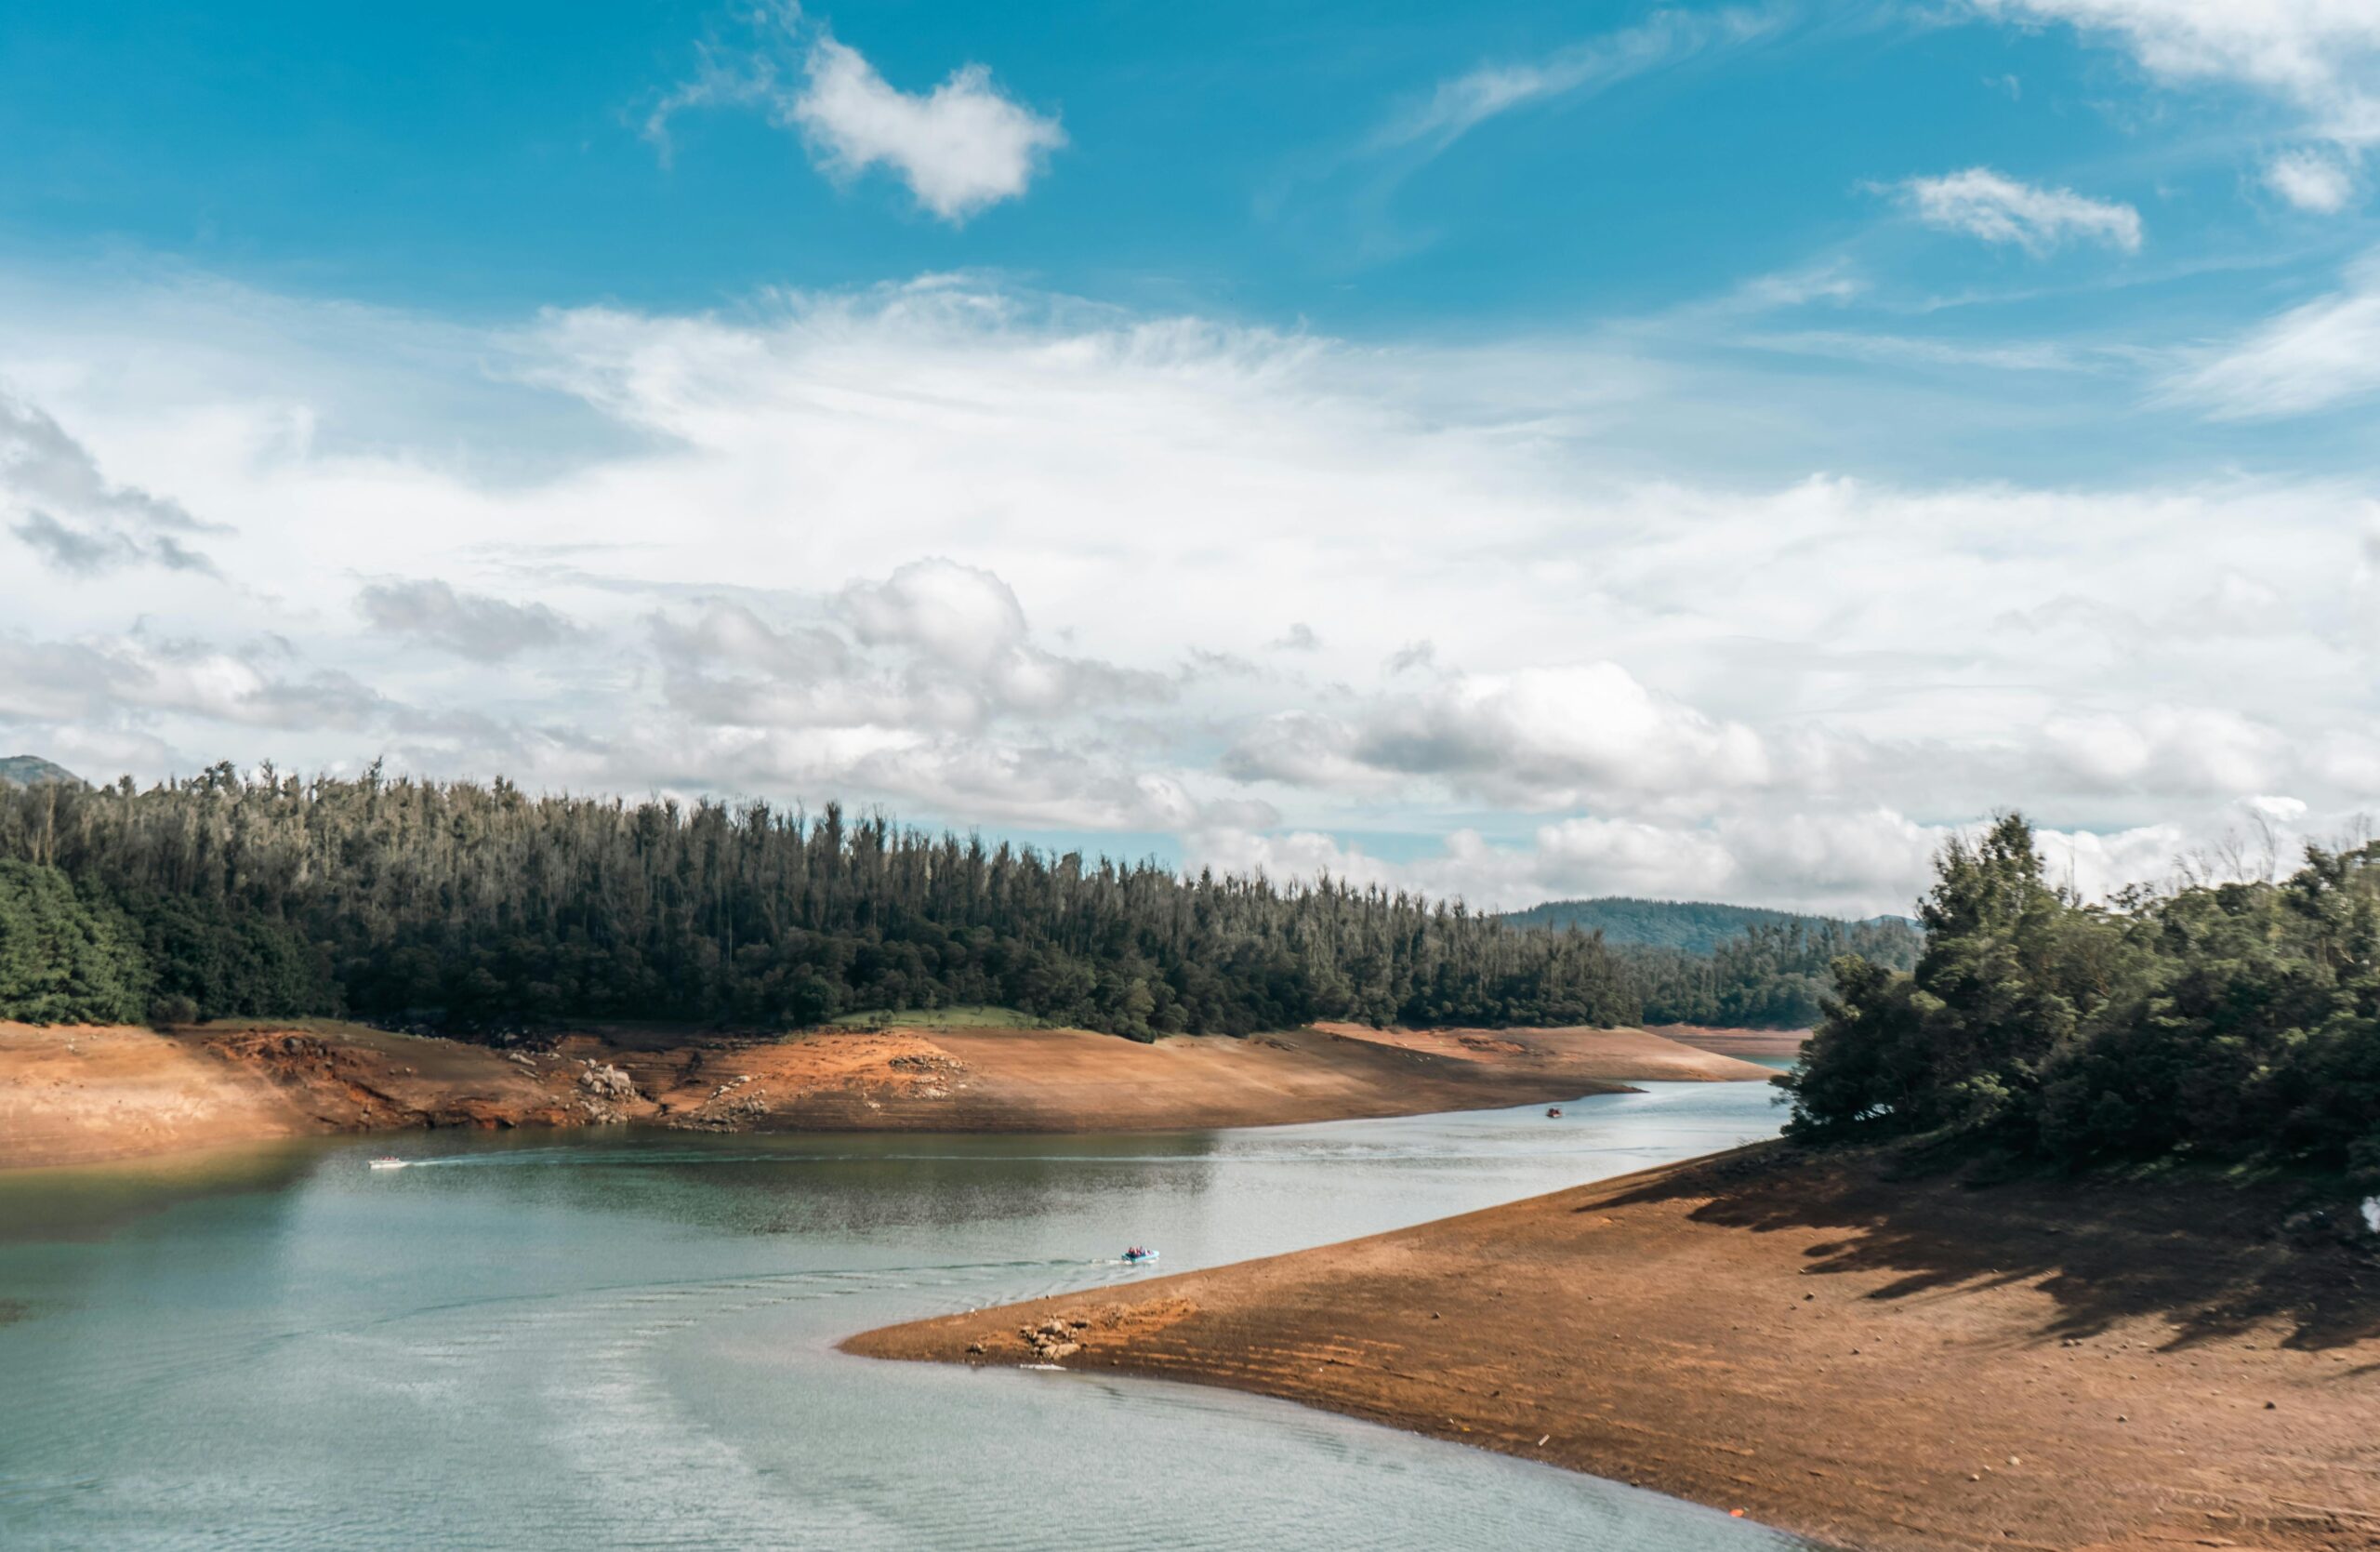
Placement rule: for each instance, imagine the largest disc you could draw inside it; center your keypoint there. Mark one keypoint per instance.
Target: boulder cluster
(1053, 1339)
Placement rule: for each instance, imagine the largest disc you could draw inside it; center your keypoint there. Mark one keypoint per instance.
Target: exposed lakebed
(606, 1339)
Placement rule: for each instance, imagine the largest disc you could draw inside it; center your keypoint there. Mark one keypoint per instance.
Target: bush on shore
(2234, 1022)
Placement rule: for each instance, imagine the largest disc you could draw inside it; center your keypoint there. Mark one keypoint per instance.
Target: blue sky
(1680, 432)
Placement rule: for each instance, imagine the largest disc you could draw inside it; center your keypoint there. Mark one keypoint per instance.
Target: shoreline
(1842, 1353)
(73, 1095)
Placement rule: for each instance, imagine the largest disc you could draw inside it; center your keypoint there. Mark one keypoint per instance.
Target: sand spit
(1880, 1363)
(78, 1095)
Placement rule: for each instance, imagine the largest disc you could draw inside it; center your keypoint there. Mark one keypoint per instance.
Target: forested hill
(482, 907)
(1692, 926)
(1706, 964)
(27, 770)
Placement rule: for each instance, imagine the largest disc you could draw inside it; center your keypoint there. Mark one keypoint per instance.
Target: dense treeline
(1769, 976)
(2234, 1021)
(482, 907)
(67, 955)
(1703, 926)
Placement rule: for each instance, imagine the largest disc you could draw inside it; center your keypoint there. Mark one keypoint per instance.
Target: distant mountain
(1690, 927)
(32, 770)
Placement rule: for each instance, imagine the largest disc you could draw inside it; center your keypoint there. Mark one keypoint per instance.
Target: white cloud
(946, 547)
(2311, 181)
(471, 624)
(2325, 353)
(959, 148)
(1460, 103)
(1535, 738)
(69, 514)
(2320, 57)
(2318, 54)
(2189, 750)
(1983, 202)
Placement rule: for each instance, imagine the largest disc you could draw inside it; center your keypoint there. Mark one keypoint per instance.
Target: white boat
(387, 1161)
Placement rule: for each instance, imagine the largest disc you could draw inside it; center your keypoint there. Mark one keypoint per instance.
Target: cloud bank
(1244, 596)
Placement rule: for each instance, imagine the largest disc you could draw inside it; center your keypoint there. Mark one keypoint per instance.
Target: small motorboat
(387, 1161)
(1139, 1254)
(1554, 1110)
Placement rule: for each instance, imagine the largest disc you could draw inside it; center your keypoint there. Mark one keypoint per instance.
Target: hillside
(32, 770)
(1690, 927)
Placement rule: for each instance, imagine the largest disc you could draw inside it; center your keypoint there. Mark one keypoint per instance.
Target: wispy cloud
(2322, 57)
(1460, 103)
(1983, 202)
(2309, 358)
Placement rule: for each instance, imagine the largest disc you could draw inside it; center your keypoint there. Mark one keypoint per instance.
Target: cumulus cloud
(1554, 736)
(2311, 181)
(2325, 353)
(70, 515)
(469, 625)
(959, 148)
(106, 680)
(894, 572)
(965, 623)
(1983, 202)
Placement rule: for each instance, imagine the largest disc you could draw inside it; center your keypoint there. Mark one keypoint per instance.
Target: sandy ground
(1876, 1363)
(1747, 1043)
(82, 1095)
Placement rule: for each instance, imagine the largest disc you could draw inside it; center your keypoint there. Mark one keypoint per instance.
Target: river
(604, 1339)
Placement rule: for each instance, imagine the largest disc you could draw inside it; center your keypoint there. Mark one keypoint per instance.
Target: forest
(1701, 926)
(481, 910)
(1771, 975)
(2236, 1023)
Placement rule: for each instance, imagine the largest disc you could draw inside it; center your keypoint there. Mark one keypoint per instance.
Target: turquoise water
(595, 1340)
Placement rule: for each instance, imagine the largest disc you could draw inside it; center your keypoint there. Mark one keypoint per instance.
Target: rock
(607, 1082)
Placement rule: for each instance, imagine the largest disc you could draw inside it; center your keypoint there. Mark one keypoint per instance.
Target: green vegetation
(66, 956)
(1698, 963)
(2235, 1022)
(481, 908)
(1689, 927)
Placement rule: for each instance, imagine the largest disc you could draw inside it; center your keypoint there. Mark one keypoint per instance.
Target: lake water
(606, 1339)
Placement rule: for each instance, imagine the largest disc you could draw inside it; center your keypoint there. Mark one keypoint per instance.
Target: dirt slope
(73, 1096)
(1887, 1364)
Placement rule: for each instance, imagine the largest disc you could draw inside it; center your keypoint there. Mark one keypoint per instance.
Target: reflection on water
(588, 1339)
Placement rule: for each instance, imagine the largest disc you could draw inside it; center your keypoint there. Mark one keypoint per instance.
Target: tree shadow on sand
(2213, 1258)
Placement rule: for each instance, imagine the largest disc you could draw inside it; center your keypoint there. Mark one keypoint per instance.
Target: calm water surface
(597, 1340)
